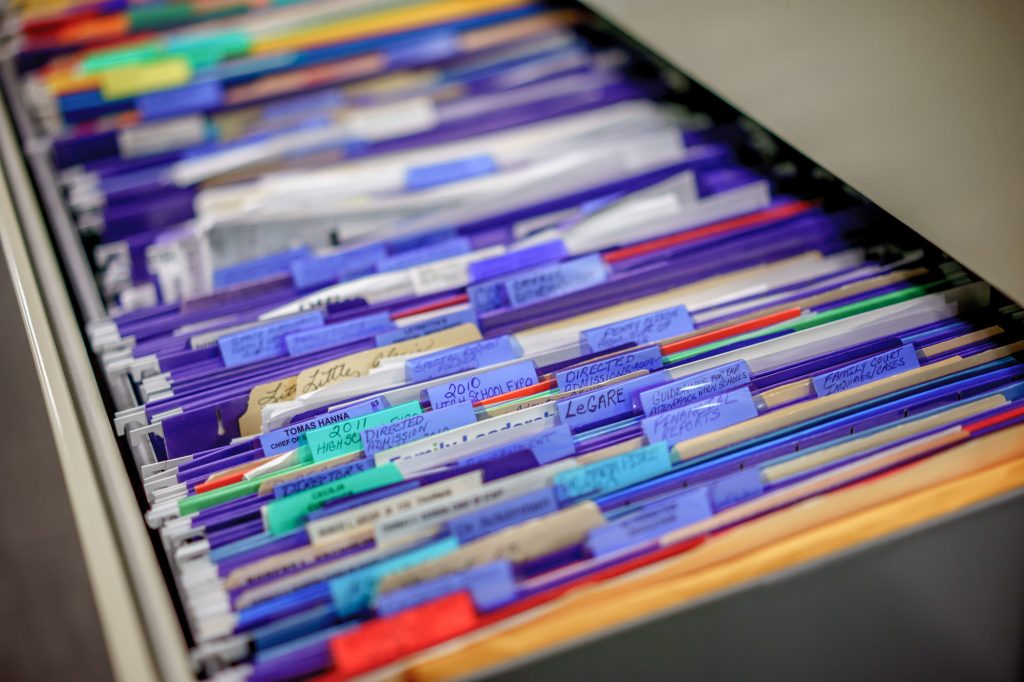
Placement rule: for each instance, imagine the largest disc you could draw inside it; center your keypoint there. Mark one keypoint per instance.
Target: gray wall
(919, 104)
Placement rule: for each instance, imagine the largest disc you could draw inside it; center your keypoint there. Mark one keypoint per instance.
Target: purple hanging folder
(635, 284)
(153, 204)
(205, 428)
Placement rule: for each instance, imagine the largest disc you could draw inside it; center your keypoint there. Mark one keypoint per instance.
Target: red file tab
(385, 640)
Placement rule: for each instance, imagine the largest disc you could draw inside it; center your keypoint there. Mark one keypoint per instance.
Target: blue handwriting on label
(615, 473)
(260, 268)
(418, 426)
(316, 271)
(297, 485)
(422, 177)
(521, 259)
(736, 488)
(492, 518)
(609, 368)
(339, 334)
(603, 404)
(655, 326)
(294, 435)
(266, 341)
(352, 593)
(650, 522)
(448, 248)
(551, 281)
(695, 387)
(874, 368)
(482, 386)
(487, 296)
(474, 355)
(701, 417)
(434, 324)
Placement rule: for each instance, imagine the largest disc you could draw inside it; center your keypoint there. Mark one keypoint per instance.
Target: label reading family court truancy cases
(874, 368)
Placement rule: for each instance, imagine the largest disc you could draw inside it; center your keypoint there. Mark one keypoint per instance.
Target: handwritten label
(547, 446)
(425, 254)
(288, 513)
(426, 326)
(431, 518)
(331, 529)
(533, 420)
(422, 177)
(482, 386)
(615, 473)
(416, 427)
(490, 586)
(608, 368)
(343, 437)
(319, 478)
(701, 417)
(360, 364)
(352, 593)
(338, 334)
(266, 341)
(278, 391)
(260, 268)
(695, 387)
(294, 435)
(874, 368)
(639, 330)
(736, 488)
(551, 281)
(487, 296)
(462, 358)
(518, 544)
(485, 521)
(650, 522)
(520, 259)
(603, 404)
(317, 271)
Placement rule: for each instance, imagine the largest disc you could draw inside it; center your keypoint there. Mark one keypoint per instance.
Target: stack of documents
(436, 311)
